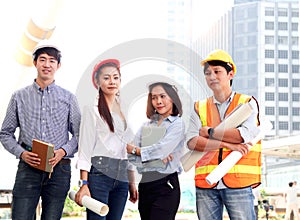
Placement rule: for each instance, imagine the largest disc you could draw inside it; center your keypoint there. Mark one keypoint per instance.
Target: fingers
(58, 155)
(245, 149)
(31, 158)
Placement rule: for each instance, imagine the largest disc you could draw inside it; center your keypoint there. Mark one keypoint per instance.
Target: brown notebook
(45, 152)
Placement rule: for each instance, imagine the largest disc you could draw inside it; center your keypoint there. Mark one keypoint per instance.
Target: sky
(83, 30)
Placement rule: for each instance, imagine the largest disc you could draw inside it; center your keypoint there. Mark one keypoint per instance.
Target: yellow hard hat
(220, 55)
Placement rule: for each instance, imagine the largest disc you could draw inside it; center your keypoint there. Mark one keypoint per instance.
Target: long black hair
(102, 104)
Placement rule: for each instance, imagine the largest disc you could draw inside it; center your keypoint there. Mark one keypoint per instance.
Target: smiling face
(109, 80)
(46, 67)
(161, 101)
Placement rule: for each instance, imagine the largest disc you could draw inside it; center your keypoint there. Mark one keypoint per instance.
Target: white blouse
(95, 138)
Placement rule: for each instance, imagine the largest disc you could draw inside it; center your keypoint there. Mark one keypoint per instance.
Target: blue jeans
(238, 203)
(31, 184)
(110, 191)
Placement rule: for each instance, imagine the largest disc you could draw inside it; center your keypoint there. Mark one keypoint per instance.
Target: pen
(168, 182)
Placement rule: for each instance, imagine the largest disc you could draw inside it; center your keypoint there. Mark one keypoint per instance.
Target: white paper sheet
(92, 204)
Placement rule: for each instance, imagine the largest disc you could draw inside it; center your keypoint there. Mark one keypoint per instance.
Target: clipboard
(152, 135)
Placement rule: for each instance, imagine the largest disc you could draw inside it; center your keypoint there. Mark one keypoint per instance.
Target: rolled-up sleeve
(194, 126)
(249, 129)
(87, 138)
(174, 135)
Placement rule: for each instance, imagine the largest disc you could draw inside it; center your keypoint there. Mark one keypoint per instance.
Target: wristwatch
(133, 151)
(82, 182)
(211, 133)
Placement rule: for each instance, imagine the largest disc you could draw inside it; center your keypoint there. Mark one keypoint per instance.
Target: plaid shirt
(49, 115)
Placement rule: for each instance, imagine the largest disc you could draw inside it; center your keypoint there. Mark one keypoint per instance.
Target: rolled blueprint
(235, 156)
(240, 114)
(92, 204)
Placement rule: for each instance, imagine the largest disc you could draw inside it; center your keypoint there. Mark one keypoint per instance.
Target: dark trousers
(159, 199)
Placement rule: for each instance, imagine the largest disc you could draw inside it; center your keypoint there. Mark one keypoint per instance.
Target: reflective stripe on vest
(247, 171)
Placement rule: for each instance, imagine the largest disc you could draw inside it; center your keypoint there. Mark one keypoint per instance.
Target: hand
(133, 193)
(31, 158)
(168, 158)
(203, 132)
(242, 148)
(58, 155)
(83, 191)
(129, 148)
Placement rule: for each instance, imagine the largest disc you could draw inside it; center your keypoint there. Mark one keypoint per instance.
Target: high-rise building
(263, 39)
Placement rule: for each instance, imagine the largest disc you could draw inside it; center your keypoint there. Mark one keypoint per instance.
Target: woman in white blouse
(102, 159)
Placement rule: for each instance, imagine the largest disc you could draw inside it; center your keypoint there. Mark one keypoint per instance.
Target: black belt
(62, 161)
(26, 147)
(154, 175)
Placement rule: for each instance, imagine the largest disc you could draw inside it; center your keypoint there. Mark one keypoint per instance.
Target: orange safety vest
(247, 171)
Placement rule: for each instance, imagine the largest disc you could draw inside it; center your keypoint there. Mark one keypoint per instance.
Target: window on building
(240, 41)
(240, 27)
(252, 83)
(269, 25)
(270, 110)
(283, 26)
(283, 40)
(283, 111)
(239, 14)
(269, 53)
(296, 126)
(295, 54)
(269, 39)
(295, 68)
(282, 68)
(282, 12)
(269, 82)
(252, 54)
(295, 111)
(296, 97)
(239, 55)
(295, 40)
(296, 83)
(295, 12)
(269, 68)
(269, 11)
(252, 26)
(252, 12)
(282, 54)
(283, 82)
(252, 68)
(269, 96)
(273, 124)
(283, 97)
(283, 125)
(294, 26)
(252, 40)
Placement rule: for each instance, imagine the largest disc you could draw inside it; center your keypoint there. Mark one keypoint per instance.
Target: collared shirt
(49, 115)
(248, 129)
(96, 139)
(171, 143)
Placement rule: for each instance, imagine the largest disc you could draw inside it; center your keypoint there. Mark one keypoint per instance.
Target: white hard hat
(45, 43)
